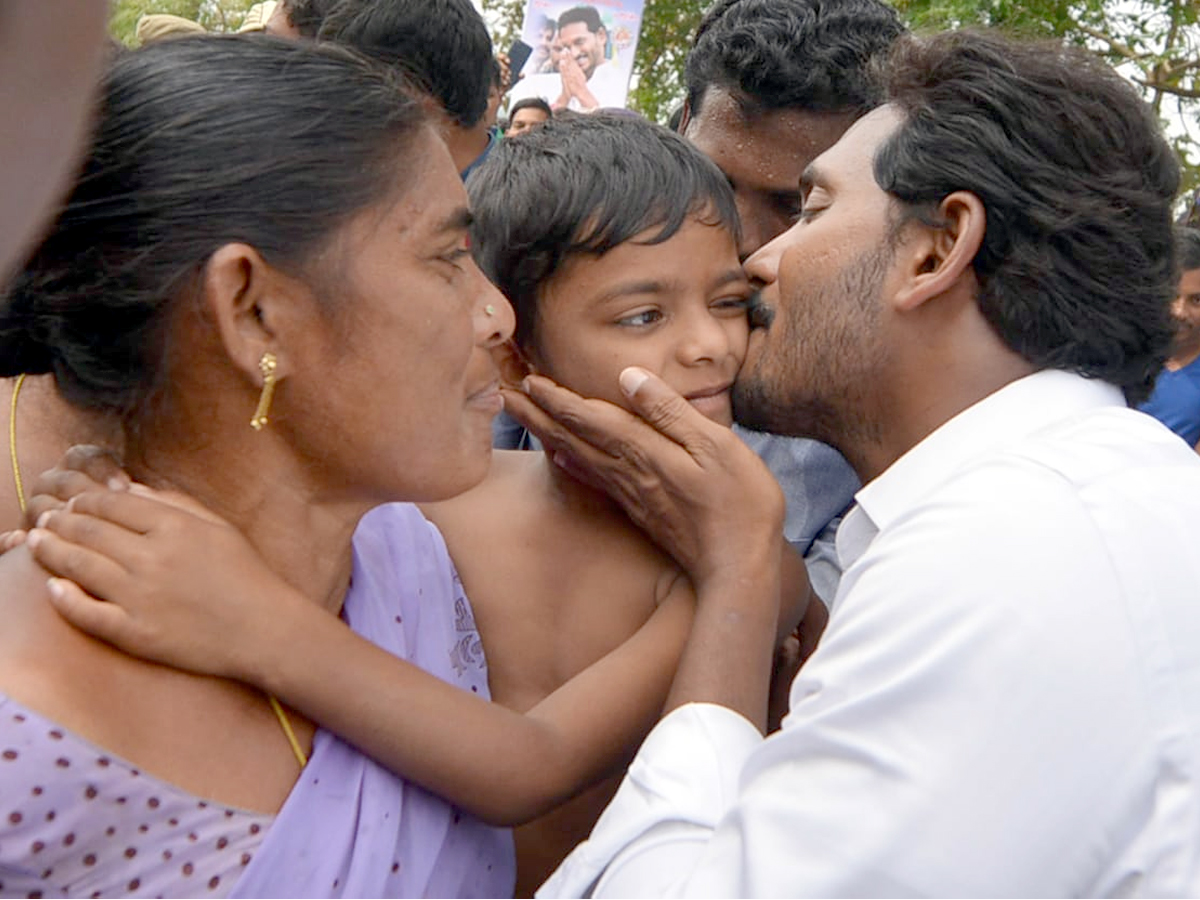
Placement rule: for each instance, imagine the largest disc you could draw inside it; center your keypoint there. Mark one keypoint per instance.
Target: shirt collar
(493, 136)
(1017, 410)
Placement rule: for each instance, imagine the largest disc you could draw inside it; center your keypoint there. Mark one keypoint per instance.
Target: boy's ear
(513, 364)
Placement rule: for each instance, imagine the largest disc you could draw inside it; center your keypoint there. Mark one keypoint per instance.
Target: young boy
(616, 243)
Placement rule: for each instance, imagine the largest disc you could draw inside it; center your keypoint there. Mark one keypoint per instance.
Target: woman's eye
(640, 319)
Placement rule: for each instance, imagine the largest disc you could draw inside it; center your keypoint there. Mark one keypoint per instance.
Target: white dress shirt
(608, 85)
(1006, 701)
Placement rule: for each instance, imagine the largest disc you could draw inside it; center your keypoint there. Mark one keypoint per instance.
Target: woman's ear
(249, 303)
(936, 256)
(513, 363)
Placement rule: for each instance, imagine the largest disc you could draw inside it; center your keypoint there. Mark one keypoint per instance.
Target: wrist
(268, 653)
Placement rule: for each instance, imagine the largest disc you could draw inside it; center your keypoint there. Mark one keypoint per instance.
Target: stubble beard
(818, 382)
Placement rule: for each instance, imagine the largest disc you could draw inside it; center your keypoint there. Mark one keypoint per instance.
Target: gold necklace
(284, 722)
(12, 441)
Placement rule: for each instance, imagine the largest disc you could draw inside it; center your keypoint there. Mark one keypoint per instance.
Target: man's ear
(936, 256)
(249, 304)
(513, 363)
(685, 118)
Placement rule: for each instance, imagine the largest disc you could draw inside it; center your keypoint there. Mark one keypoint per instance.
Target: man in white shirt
(1006, 701)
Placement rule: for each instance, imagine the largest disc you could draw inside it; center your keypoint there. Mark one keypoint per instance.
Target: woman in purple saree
(263, 278)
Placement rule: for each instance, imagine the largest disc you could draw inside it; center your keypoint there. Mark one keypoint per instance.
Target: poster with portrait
(582, 53)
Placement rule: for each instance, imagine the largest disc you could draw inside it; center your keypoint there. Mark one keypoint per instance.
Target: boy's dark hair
(306, 16)
(1187, 246)
(584, 185)
(585, 14)
(1076, 269)
(442, 44)
(199, 143)
(811, 55)
(531, 103)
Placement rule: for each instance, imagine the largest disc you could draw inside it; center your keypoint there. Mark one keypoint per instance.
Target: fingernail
(43, 519)
(118, 484)
(34, 538)
(631, 379)
(54, 586)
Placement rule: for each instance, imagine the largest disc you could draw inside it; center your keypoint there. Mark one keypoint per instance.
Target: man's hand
(575, 84)
(690, 483)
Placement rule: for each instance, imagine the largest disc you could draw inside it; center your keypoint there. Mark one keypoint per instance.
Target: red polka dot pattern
(99, 827)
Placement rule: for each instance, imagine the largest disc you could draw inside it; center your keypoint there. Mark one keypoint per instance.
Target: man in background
(1176, 398)
(443, 44)
(526, 114)
(770, 85)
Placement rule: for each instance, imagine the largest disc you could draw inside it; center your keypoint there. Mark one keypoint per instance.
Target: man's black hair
(585, 14)
(1076, 269)
(531, 103)
(810, 55)
(584, 185)
(306, 16)
(1187, 246)
(171, 177)
(442, 44)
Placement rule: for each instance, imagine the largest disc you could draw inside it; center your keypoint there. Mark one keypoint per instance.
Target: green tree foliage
(1154, 43)
(215, 15)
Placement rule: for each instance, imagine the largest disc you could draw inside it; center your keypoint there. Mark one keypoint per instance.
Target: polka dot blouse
(76, 821)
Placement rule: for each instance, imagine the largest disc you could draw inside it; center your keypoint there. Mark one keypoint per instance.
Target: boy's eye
(737, 303)
(640, 319)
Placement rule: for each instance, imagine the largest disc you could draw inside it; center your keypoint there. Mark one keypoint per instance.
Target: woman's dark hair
(584, 185)
(200, 142)
(1076, 270)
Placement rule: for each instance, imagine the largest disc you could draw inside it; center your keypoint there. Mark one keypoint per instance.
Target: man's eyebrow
(459, 220)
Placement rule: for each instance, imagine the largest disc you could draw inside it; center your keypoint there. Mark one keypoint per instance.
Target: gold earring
(267, 366)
